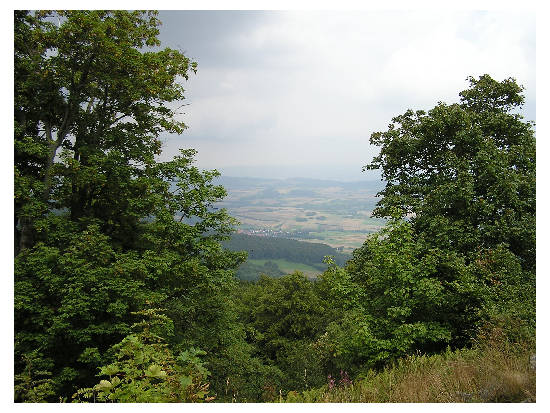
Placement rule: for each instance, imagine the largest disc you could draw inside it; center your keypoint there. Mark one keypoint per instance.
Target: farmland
(330, 212)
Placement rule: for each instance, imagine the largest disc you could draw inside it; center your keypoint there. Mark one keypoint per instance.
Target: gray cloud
(210, 36)
(304, 90)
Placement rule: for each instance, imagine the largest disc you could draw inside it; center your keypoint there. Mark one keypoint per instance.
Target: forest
(269, 250)
(124, 290)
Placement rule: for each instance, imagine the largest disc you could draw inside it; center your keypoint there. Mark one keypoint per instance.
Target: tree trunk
(26, 234)
(26, 224)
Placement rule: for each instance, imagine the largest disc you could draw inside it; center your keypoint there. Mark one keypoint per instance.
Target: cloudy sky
(281, 94)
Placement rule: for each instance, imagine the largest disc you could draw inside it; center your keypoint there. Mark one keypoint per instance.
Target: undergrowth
(495, 369)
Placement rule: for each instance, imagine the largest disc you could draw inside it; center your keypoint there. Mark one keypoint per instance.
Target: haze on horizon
(282, 94)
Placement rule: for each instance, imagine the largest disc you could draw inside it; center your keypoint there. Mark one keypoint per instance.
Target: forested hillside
(124, 267)
(271, 248)
(292, 250)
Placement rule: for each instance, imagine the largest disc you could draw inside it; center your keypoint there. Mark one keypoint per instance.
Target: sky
(298, 93)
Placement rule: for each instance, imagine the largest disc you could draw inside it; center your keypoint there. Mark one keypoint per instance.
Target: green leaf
(186, 381)
(104, 385)
(155, 371)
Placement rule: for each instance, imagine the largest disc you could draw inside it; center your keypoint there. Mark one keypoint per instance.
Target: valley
(331, 212)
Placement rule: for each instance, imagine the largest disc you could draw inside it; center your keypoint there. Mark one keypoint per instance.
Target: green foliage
(394, 299)
(91, 91)
(271, 248)
(104, 233)
(100, 226)
(283, 318)
(249, 271)
(495, 369)
(67, 302)
(510, 296)
(241, 374)
(465, 172)
(287, 308)
(145, 369)
(34, 385)
(464, 176)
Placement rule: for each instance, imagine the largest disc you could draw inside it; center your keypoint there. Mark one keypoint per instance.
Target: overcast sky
(281, 94)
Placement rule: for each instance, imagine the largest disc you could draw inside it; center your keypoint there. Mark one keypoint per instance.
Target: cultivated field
(335, 213)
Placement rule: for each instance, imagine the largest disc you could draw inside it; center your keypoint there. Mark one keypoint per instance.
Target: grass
(493, 371)
(290, 267)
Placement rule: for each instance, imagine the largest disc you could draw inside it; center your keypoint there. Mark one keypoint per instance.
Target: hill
(277, 256)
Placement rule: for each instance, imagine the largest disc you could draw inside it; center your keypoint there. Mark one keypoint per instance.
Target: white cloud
(310, 87)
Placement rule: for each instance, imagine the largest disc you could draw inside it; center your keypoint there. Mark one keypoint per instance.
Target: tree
(463, 177)
(399, 296)
(283, 317)
(101, 227)
(464, 173)
(91, 98)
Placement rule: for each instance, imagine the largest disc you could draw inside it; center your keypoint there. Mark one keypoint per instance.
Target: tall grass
(494, 370)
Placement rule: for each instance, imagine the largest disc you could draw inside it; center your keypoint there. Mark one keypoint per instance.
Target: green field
(290, 267)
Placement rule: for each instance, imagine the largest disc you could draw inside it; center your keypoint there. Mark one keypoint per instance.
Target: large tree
(101, 228)
(92, 96)
(464, 173)
(460, 248)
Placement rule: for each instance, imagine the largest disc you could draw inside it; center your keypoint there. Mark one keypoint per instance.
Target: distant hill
(272, 249)
(231, 182)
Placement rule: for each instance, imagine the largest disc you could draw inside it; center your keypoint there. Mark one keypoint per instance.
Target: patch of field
(338, 239)
(289, 267)
(300, 219)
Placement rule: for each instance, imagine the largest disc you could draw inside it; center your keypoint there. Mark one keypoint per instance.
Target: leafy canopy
(101, 226)
(460, 189)
(464, 173)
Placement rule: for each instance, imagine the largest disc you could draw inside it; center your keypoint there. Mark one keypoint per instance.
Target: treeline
(309, 253)
(272, 248)
(116, 300)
